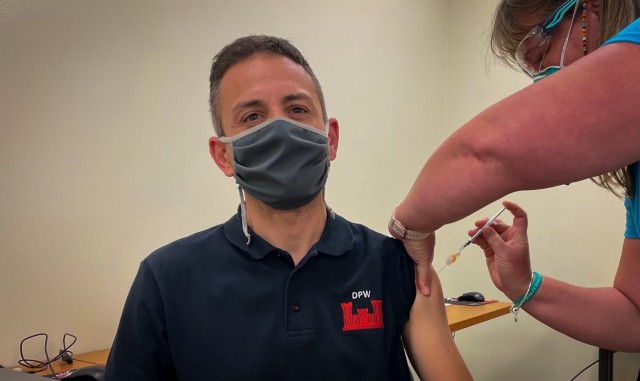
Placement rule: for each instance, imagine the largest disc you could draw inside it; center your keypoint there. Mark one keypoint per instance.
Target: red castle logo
(362, 319)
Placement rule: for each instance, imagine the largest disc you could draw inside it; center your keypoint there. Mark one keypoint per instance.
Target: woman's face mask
(281, 162)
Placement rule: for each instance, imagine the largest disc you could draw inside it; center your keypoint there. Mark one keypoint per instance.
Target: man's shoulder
(189, 245)
(366, 234)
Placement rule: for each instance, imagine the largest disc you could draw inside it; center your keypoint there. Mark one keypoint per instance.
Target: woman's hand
(506, 249)
(421, 251)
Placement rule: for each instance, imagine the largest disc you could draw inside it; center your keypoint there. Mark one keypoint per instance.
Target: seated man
(285, 289)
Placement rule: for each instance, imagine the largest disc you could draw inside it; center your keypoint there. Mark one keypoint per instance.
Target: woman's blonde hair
(508, 31)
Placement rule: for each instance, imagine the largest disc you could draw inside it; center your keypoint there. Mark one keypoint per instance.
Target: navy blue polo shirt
(211, 307)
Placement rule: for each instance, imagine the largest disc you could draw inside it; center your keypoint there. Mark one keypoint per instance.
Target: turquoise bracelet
(534, 286)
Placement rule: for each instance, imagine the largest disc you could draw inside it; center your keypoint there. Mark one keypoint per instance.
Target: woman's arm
(578, 123)
(581, 122)
(608, 317)
(428, 341)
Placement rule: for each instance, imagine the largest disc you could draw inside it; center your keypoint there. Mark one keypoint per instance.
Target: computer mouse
(471, 296)
(88, 373)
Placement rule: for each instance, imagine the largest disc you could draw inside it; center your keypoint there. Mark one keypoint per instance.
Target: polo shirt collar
(336, 239)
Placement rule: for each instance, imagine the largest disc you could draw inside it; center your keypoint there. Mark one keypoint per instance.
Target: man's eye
(251, 117)
(298, 110)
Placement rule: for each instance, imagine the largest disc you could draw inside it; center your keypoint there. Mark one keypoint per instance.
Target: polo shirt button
(296, 307)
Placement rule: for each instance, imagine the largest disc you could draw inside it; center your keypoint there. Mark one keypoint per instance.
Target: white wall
(103, 153)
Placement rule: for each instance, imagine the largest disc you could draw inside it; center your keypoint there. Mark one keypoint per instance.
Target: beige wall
(104, 126)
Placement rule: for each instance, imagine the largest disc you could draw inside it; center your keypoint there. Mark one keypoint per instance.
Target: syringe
(454, 257)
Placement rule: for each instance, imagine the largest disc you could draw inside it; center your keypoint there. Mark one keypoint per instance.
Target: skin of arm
(550, 133)
(428, 341)
(607, 317)
(556, 131)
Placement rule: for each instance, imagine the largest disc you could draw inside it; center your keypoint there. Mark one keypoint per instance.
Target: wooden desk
(79, 361)
(460, 317)
(95, 357)
(58, 366)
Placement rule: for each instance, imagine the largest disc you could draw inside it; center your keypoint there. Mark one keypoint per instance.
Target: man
(285, 289)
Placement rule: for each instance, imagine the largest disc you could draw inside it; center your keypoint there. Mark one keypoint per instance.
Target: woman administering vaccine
(579, 120)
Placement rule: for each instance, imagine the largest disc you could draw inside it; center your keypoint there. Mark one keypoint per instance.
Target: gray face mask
(281, 162)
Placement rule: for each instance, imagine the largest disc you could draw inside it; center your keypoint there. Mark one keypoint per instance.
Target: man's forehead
(261, 73)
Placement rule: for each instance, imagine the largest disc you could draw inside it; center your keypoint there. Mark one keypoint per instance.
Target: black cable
(583, 370)
(65, 354)
(31, 363)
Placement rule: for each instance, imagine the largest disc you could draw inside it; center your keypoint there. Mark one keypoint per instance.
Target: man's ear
(221, 154)
(334, 137)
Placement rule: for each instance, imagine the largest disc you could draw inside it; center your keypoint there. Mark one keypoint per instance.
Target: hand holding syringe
(453, 257)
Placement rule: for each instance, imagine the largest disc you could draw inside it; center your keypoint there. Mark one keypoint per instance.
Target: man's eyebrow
(297, 96)
(246, 104)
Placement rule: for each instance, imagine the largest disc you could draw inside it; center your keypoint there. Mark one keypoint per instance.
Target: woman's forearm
(463, 175)
(603, 317)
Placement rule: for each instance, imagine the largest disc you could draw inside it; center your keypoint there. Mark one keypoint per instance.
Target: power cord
(585, 368)
(64, 354)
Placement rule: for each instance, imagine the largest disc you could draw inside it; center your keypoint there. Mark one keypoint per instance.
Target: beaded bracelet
(534, 286)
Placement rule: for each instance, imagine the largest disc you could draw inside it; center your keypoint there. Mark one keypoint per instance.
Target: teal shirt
(632, 205)
(631, 34)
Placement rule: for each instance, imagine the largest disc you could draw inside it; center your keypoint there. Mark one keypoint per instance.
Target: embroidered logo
(362, 319)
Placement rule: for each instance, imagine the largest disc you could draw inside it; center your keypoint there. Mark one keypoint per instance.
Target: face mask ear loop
(566, 40)
(324, 199)
(243, 216)
(329, 209)
(243, 204)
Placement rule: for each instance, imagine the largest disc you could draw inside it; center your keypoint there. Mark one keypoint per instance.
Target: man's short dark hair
(243, 48)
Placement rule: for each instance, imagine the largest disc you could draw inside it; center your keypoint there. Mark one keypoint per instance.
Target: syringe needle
(450, 259)
(453, 257)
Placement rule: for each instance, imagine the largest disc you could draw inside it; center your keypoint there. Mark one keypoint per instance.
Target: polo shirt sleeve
(140, 351)
(401, 273)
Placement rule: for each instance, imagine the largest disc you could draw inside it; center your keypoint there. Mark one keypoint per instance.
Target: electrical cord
(585, 368)
(65, 354)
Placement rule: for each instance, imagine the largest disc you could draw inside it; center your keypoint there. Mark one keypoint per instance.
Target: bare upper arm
(580, 122)
(428, 340)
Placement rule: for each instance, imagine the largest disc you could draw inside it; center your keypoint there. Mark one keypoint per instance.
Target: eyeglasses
(532, 49)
